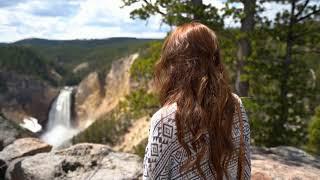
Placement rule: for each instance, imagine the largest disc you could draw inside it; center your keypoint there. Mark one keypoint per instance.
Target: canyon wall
(25, 96)
(99, 93)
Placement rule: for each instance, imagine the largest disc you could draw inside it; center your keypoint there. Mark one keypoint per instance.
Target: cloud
(73, 19)
(8, 3)
(53, 8)
(84, 19)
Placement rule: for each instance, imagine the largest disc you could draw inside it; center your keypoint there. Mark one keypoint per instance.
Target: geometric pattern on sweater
(164, 156)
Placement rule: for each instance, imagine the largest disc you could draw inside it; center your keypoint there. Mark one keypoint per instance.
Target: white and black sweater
(164, 155)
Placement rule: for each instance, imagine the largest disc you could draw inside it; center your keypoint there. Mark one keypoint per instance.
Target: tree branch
(303, 8)
(156, 9)
(308, 15)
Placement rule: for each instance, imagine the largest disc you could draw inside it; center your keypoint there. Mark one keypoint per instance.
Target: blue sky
(77, 19)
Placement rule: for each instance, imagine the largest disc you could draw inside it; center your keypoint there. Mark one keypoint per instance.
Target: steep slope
(27, 83)
(98, 54)
(135, 135)
(32, 70)
(123, 105)
(97, 94)
(25, 61)
(26, 96)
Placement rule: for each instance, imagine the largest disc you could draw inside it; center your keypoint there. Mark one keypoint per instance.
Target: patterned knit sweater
(164, 155)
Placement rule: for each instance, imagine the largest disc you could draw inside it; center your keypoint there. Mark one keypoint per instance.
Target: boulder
(18, 149)
(283, 162)
(24, 147)
(81, 161)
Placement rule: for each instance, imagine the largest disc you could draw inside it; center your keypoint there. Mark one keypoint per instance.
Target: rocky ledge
(29, 158)
(81, 161)
(284, 162)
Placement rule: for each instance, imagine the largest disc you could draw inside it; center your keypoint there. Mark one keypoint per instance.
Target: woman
(198, 131)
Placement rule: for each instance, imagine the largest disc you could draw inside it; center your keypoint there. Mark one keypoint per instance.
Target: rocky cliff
(97, 94)
(25, 96)
(81, 161)
(31, 159)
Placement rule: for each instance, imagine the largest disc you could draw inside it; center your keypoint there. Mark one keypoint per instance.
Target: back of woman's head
(190, 73)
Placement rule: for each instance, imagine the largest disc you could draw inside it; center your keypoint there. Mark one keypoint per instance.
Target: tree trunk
(244, 46)
(286, 71)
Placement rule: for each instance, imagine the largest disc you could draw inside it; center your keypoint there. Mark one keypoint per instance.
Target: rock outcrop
(24, 147)
(29, 158)
(88, 97)
(25, 96)
(19, 149)
(81, 161)
(96, 95)
(283, 162)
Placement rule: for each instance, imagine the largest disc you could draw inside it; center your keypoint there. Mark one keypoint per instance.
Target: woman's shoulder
(236, 96)
(164, 114)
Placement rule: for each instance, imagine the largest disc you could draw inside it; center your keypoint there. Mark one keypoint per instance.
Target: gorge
(75, 108)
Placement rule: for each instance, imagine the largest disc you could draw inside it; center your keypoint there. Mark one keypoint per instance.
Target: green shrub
(140, 148)
(314, 132)
(106, 130)
(24, 60)
(142, 68)
(110, 128)
(139, 103)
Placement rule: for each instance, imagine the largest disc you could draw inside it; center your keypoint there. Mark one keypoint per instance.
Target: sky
(79, 19)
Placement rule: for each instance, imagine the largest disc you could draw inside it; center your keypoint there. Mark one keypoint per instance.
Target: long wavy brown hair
(190, 73)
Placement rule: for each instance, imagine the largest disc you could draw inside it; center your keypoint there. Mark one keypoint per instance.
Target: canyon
(65, 111)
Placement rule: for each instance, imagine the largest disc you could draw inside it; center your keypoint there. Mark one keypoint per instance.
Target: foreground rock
(82, 161)
(284, 162)
(19, 149)
(24, 147)
(97, 162)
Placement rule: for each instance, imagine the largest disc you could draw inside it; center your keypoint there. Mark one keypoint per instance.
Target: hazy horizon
(78, 39)
(86, 19)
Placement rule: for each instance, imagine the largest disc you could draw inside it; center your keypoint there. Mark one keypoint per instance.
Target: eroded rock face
(283, 162)
(25, 96)
(88, 97)
(97, 95)
(81, 161)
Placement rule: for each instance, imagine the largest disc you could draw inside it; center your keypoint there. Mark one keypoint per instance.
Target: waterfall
(59, 127)
(59, 114)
